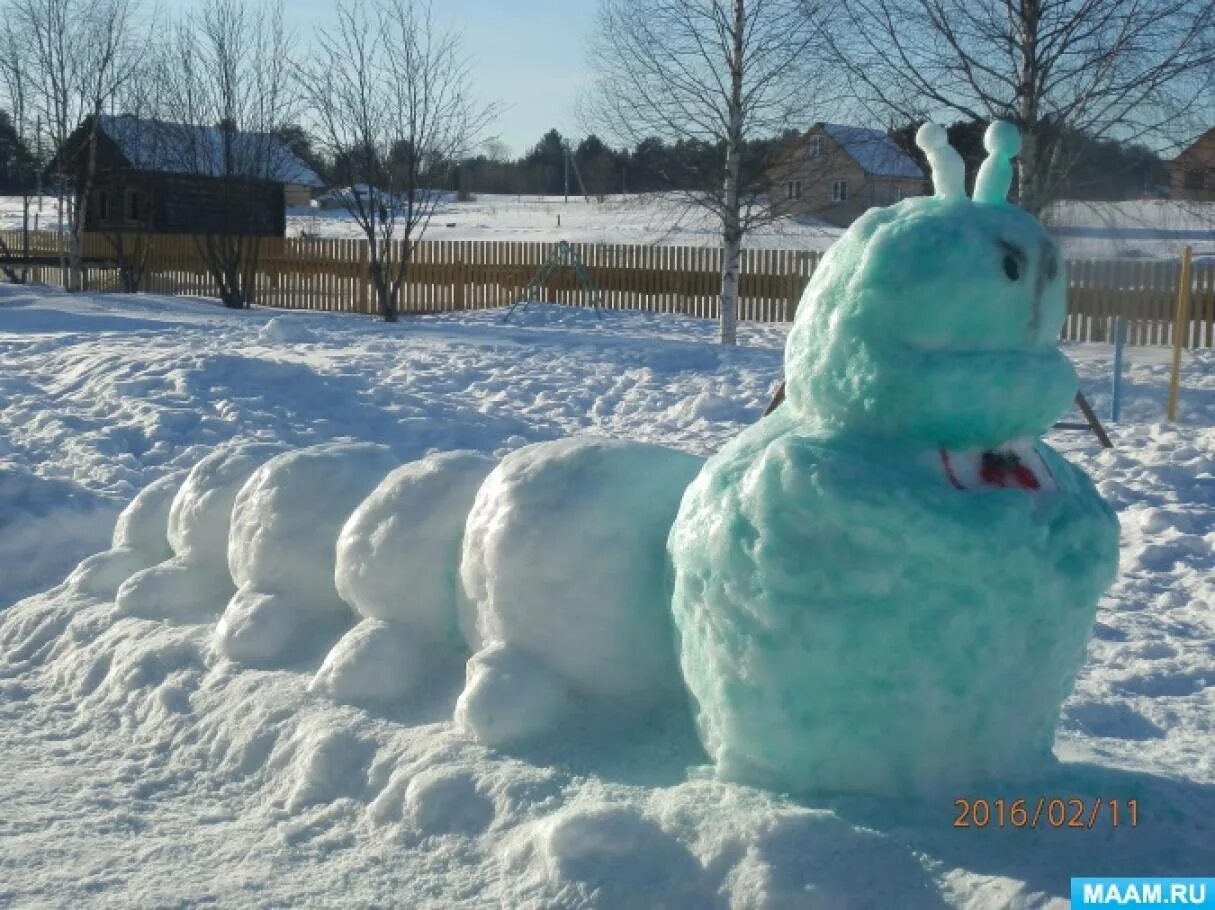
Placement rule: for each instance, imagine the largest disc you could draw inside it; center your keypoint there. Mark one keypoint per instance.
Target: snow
(874, 151)
(191, 584)
(157, 145)
(381, 663)
(398, 555)
(397, 565)
(852, 607)
(281, 551)
(645, 219)
(564, 561)
(140, 540)
(141, 770)
(34, 510)
(1138, 229)
(510, 697)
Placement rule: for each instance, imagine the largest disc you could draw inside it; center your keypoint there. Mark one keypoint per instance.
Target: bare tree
(82, 52)
(15, 68)
(389, 96)
(131, 240)
(1119, 69)
(227, 94)
(717, 72)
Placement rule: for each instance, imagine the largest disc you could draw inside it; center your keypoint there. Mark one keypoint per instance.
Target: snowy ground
(138, 770)
(1141, 229)
(645, 220)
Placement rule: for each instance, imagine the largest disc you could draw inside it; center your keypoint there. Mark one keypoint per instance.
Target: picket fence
(331, 274)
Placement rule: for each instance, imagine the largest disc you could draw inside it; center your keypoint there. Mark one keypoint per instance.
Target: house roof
(876, 153)
(182, 148)
(1198, 145)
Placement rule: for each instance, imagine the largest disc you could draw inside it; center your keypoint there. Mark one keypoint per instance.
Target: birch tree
(717, 72)
(1112, 69)
(81, 54)
(15, 68)
(388, 91)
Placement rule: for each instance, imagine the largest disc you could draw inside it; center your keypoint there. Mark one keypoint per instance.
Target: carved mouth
(1014, 467)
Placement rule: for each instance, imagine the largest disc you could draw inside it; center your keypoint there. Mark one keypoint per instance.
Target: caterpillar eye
(1011, 268)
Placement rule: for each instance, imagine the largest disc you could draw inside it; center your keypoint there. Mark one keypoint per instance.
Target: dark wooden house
(1192, 173)
(172, 178)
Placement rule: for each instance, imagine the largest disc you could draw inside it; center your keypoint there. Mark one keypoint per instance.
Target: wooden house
(1192, 173)
(836, 172)
(174, 178)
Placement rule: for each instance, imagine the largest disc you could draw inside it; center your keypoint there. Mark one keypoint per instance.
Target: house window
(101, 205)
(816, 146)
(793, 189)
(132, 205)
(1193, 180)
(839, 191)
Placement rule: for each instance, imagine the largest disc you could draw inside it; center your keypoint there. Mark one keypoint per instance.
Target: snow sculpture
(566, 577)
(140, 540)
(887, 585)
(192, 585)
(285, 522)
(398, 563)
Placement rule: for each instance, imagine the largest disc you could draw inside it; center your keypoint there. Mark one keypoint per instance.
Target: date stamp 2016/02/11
(1046, 812)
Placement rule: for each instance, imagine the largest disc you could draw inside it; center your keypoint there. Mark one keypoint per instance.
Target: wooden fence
(331, 274)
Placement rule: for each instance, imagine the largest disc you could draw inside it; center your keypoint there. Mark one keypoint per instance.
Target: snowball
(143, 525)
(194, 584)
(621, 858)
(140, 540)
(202, 510)
(398, 555)
(564, 559)
(285, 525)
(175, 590)
(849, 621)
(510, 698)
(286, 330)
(817, 861)
(329, 764)
(379, 662)
(445, 800)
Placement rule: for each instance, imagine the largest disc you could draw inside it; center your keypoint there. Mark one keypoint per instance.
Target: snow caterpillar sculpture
(884, 586)
(887, 585)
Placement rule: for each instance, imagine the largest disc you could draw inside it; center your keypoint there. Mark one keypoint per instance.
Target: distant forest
(1104, 170)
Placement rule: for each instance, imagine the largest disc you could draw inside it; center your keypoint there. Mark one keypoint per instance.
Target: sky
(528, 55)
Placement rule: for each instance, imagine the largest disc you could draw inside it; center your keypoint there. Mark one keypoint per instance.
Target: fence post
(1180, 324)
(364, 280)
(457, 293)
(1116, 391)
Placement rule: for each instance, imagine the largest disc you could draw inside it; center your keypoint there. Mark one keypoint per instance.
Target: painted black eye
(1011, 268)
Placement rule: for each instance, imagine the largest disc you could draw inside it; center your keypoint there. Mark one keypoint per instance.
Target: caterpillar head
(935, 320)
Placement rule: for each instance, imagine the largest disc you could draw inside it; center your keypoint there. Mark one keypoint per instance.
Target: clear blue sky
(530, 55)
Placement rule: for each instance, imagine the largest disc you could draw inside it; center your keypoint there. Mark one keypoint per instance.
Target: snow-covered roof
(874, 151)
(183, 148)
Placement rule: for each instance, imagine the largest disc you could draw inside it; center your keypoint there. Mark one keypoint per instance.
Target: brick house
(1192, 173)
(836, 172)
